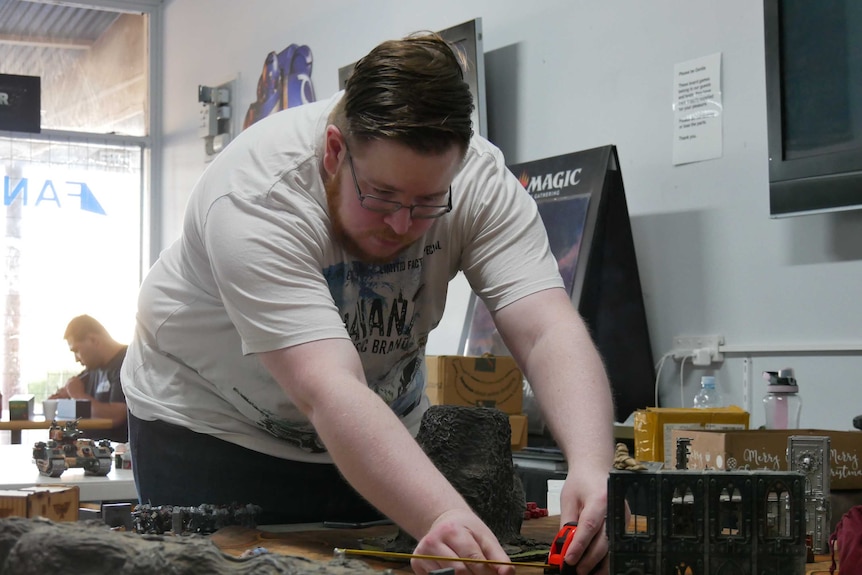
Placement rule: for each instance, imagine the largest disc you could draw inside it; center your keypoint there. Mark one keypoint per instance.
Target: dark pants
(175, 466)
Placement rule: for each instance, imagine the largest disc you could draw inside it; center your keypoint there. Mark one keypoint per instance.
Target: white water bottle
(708, 396)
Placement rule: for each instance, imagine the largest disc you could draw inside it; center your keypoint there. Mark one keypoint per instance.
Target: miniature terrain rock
(622, 459)
(471, 446)
(39, 546)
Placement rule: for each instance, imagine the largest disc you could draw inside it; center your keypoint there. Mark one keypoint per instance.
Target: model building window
(683, 513)
(731, 525)
(638, 526)
(778, 524)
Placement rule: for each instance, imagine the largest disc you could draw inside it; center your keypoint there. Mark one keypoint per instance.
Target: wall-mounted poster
(563, 200)
(284, 82)
(582, 203)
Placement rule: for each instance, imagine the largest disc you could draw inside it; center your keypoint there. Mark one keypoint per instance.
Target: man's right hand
(379, 457)
(460, 533)
(74, 388)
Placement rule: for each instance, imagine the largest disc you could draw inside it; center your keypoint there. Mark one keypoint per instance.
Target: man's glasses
(375, 204)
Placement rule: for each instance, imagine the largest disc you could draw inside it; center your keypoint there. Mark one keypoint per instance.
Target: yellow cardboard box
(52, 502)
(767, 449)
(518, 423)
(653, 427)
(487, 381)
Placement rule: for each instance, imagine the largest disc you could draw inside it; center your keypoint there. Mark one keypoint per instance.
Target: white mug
(49, 408)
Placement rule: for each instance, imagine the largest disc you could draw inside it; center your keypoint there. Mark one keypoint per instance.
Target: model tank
(66, 448)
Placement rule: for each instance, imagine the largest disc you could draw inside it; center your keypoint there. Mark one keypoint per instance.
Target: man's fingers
(589, 546)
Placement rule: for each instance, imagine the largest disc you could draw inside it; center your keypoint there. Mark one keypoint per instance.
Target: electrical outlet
(216, 127)
(687, 345)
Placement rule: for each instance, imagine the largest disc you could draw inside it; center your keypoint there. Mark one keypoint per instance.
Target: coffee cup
(49, 408)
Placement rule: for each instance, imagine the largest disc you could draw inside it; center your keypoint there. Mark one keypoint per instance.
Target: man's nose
(399, 221)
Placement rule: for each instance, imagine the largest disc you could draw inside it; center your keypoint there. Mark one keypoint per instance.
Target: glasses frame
(396, 206)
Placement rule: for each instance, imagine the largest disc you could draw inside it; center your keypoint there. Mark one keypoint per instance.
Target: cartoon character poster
(284, 82)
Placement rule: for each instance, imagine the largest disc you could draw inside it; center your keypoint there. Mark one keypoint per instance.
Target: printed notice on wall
(697, 110)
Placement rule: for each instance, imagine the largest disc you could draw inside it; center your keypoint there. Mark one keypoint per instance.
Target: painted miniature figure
(66, 448)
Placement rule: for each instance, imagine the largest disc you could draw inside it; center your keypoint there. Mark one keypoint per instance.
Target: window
(76, 196)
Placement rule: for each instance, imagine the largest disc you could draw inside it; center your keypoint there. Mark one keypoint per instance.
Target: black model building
(707, 522)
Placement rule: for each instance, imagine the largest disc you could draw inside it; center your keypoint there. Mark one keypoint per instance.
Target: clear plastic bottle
(708, 396)
(782, 403)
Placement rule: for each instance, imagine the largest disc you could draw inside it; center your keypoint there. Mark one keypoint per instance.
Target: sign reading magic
(20, 103)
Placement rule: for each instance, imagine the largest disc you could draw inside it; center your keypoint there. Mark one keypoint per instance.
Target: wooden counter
(18, 425)
(318, 544)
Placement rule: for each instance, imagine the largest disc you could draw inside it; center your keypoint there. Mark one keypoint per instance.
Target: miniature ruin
(471, 446)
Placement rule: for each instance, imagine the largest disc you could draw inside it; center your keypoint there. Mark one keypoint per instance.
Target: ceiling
(33, 33)
(91, 62)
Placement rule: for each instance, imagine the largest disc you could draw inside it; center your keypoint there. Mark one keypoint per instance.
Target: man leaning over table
(278, 356)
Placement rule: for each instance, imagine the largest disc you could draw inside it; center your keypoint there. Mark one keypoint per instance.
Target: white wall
(566, 75)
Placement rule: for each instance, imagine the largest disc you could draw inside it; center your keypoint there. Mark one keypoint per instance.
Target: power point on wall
(215, 125)
(702, 349)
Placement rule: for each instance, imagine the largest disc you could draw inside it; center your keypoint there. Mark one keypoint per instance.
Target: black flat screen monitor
(813, 56)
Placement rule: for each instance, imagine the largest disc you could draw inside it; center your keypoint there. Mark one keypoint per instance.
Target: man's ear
(334, 149)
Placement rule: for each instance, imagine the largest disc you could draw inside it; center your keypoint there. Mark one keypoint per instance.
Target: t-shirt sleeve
(506, 253)
(266, 262)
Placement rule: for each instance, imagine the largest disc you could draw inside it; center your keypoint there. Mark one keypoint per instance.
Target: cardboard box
(73, 409)
(767, 449)
(653, 427)
(518, 423)
(488, 381)
(13, 504)
(21, 407)
(52, 502)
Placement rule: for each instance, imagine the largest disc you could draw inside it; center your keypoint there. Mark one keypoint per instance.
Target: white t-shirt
(256, 269)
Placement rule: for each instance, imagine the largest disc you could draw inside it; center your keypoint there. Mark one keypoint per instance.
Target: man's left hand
(588, 550)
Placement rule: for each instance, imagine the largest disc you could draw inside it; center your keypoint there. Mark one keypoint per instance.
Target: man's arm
(376, 453)
(550, 342)
(75, 388)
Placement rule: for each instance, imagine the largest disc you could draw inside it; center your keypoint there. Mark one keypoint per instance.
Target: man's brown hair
(412, 91)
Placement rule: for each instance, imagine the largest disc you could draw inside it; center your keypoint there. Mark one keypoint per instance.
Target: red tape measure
(559, 547)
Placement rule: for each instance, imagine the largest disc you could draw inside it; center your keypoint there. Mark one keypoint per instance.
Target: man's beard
(351, 246)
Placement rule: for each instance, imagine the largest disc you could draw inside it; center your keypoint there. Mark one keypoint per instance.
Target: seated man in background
(99, 383)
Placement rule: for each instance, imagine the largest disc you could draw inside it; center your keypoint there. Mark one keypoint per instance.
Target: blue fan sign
(77, 195)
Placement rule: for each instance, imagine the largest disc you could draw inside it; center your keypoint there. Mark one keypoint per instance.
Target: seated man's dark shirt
(104, 385)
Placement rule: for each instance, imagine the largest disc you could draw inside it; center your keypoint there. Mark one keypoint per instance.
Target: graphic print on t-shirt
(102, 387)
(299, 435)
(380, 306)
(382, 309)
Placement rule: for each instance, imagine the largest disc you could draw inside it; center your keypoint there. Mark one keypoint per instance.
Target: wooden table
(18, 425)
(317, 543)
